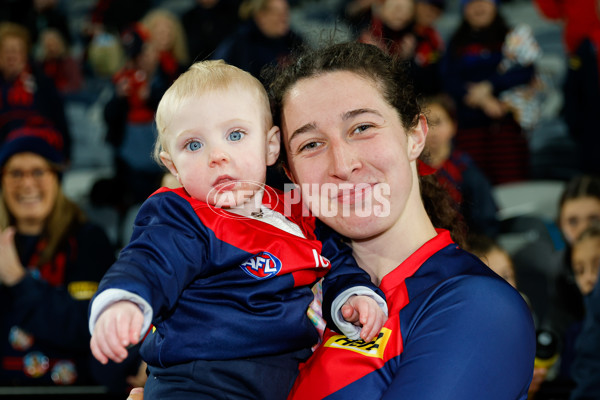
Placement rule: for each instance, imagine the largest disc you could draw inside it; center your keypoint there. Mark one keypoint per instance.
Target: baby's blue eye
(194, 145)
(235, 136)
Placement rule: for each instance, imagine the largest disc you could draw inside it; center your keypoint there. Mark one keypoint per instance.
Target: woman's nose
(344, 161)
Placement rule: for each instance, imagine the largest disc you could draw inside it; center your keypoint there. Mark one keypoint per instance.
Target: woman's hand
(481, 95)
(11, 270)
(136, 394)
(140, 378)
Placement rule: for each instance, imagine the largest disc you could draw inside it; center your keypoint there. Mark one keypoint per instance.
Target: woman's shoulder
(460, 275)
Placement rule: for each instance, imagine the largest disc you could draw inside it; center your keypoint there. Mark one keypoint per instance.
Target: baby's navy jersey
(456, 331)
(221, 286)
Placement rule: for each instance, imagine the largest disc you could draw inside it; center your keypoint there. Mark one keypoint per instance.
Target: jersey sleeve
(166, 252)
(475, 339)
(344, 275)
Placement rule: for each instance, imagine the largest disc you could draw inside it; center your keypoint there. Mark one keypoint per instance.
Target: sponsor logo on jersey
(263, 265)
(375, 348)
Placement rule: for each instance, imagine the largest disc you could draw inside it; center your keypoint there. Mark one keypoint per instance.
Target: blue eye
(235, 136)
(193, 145)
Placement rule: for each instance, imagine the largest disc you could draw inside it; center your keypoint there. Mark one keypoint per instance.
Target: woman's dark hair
(392, 77)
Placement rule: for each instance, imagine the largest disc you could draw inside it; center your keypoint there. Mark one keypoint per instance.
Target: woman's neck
(381, 254)
(31, 228)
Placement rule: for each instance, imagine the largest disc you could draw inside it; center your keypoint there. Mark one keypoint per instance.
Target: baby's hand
(116, 328)
(364, 311)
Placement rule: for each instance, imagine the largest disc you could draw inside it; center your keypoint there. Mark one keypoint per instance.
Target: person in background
(207, 23)
(129, 116)
(357, 14)
(585, 258)
(27, 95)
(427, 12)
(57, 63)
(580, 23)
(394, 29)
(168, 37)
(473, 75)
(494, 256)
(456, 171)
(265, 38)
(40, 15)
(51, 261)
(579, 206)
(585, 368)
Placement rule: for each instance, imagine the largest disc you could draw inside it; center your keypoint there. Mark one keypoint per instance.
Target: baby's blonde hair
(203, 77)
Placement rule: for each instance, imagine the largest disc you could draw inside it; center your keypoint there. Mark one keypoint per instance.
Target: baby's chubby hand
(117, 327)
(364, 311)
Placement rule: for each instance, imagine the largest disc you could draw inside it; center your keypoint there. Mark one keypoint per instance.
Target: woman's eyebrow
(345, 116)
(353, 113)
(303, 129)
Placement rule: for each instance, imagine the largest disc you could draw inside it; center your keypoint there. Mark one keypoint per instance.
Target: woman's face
(479, 13)
(577, 214)
(441, 132)
(30, 187)
(349, 152)
(13, 56)
(397, 14)
(274, 19)
(586, 263)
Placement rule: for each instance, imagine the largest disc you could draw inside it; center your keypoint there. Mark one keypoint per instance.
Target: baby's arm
(358, 312)
(350, 299)
(117, 327)
(366, 312)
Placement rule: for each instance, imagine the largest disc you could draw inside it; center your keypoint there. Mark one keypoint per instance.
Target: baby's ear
(168, 162)
(273, 145)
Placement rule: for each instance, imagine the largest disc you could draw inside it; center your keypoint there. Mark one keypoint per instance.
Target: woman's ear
(417, 137)
(168, 162)
(273, 145)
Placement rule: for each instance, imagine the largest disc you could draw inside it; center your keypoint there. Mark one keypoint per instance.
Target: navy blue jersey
(221, 286)
(456, 331)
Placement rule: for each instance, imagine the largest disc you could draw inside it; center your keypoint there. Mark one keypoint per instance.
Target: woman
(352, 128)
(27, 95)
(51, 261)
(349, 118)
(475, 75)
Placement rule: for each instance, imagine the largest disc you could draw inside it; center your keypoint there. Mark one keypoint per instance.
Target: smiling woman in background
(51, 261)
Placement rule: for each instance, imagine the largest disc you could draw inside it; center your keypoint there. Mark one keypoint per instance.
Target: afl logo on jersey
(263, 265)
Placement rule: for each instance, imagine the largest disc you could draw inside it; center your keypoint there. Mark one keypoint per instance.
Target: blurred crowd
(482, 91)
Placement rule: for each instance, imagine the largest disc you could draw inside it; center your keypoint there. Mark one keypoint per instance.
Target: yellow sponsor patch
(375, 348)
(82, 290)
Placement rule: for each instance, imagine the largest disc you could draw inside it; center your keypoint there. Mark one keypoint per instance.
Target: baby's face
(586, 261)
(219, 148)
